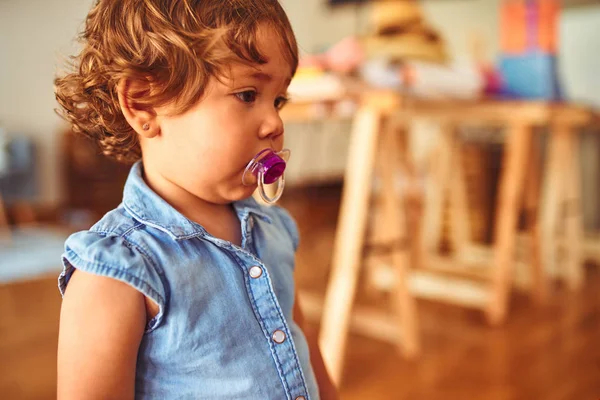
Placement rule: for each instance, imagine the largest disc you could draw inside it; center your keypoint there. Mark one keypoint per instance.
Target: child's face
(205, 150)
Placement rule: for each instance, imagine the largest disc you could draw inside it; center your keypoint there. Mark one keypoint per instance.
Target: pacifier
(266, 168)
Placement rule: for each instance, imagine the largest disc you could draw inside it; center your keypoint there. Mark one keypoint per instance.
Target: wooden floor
(28, 337)
(546, 353)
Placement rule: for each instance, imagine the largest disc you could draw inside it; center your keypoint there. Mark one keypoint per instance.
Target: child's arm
(101, 326)
(327, 389)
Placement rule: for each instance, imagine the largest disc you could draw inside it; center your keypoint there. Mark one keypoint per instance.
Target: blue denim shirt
(224, 329)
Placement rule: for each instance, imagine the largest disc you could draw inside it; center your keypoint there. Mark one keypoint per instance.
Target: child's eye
(280, 102)
(247, 96)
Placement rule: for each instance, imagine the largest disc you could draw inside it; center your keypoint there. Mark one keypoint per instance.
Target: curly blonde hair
(172, 47)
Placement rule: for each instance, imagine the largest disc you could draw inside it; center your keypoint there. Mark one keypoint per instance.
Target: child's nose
(272, 127)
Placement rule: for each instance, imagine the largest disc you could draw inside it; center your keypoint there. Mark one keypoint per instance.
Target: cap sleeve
(114, 257)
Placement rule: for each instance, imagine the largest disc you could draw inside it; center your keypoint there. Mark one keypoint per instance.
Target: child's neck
(220, 220)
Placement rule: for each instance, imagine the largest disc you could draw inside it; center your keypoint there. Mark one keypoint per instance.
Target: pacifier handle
(262, 190)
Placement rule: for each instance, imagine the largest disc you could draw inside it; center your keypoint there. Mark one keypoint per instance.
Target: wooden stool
(470, 277)
(485, 276)
(369, 139)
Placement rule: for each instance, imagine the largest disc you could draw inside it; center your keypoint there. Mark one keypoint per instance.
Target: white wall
(34, 34)
(318, 25)
(580, 50)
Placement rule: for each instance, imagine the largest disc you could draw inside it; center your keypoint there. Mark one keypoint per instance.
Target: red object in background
(492, 79)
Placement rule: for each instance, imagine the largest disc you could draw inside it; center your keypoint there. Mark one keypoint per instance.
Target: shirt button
(255, 272)
(279, 336)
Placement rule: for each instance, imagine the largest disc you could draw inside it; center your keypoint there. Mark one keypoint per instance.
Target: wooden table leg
(349, 239)
(574, 231)
(396, 227)
(508, 204)
(532, 201)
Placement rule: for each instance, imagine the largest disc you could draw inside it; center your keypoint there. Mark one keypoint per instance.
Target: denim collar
(152, 210)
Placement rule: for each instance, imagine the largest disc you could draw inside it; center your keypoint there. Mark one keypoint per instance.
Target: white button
(255, 272)
(279, 336)
(300, 398)
(251, 222)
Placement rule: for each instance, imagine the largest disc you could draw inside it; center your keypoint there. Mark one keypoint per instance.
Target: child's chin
(241, 193)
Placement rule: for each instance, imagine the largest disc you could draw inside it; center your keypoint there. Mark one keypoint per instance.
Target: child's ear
(142, 119)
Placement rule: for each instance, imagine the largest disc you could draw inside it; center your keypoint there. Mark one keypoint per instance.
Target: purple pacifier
(266, 168)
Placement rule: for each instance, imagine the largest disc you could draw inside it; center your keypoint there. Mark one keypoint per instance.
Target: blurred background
(444, 174)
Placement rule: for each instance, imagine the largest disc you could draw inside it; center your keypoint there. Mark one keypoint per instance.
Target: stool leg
(509, 200)
(532, 200)
(439, 169)
(574, 232)
(349, 239)
(460, 226)
(551, 197)
(395, 218)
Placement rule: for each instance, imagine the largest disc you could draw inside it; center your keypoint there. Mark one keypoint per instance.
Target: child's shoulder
(107, 244)
(117, 248)
(117, 222)
(117, 240)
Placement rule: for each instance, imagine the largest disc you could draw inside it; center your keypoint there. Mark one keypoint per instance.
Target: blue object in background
(530, 76)
(18, 182)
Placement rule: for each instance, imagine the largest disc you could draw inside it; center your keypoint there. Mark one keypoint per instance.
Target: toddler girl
(186, 289)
